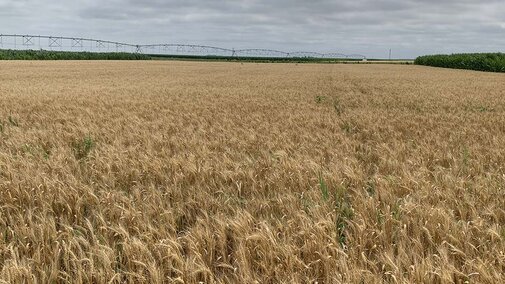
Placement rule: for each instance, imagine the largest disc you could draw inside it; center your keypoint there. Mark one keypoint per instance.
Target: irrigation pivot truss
(59, 43)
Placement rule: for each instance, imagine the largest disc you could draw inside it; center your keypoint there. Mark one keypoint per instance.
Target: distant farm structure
(59, 43)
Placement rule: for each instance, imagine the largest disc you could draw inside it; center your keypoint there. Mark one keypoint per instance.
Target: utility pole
(390, 54)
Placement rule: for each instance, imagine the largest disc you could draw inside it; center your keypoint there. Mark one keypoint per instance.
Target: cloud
(371, 27)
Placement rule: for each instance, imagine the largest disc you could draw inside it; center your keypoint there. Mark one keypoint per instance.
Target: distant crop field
(9, 54)
(489, 62)
(198, 172)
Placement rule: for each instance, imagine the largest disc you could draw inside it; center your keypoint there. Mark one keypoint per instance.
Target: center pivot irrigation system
(58, 43)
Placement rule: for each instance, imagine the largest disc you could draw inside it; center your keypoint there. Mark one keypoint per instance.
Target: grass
(83, 147)
(13, 121)
(344, 214)
(188, 172)
(324, 189)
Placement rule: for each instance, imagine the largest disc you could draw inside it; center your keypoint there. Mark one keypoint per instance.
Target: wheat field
(197, 172)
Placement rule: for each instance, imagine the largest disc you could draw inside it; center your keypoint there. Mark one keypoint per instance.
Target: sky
(370, 27)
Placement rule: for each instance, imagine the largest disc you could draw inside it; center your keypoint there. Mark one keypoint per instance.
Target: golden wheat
(177, 172)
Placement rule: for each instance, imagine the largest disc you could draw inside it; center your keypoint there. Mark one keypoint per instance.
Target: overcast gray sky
(370, 27)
